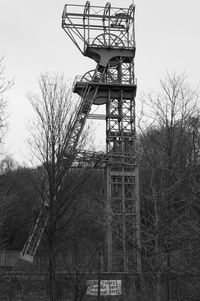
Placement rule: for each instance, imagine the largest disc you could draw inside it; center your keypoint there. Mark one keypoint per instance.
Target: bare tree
(5, 84)
(50, 133)
(167, 159)
(81, 261)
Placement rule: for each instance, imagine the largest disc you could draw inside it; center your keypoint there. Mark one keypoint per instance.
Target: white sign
(107, 287)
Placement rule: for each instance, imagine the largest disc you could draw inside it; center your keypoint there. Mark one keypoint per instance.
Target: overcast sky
(32, 41)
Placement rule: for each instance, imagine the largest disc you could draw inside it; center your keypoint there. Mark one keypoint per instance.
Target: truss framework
(106, 35)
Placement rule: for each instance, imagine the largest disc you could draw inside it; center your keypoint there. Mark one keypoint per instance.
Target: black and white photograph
(99, 150)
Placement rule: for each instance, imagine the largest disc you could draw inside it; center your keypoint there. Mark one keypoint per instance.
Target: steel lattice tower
(106, 35)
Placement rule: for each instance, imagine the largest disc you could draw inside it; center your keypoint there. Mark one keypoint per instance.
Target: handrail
(79, 78)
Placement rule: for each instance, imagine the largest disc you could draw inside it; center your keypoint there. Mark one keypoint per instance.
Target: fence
(9, 258)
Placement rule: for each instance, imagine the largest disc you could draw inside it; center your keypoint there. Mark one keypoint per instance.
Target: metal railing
(80, 78)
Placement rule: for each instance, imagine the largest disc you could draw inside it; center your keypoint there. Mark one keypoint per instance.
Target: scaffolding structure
(106, 35)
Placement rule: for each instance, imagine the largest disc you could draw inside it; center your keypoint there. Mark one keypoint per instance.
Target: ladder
(88, 95)
(75, 131)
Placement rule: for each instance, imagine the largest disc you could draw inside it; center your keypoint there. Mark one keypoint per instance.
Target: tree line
(168, 155)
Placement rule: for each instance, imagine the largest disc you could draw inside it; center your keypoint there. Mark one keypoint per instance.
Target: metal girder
(75, 131)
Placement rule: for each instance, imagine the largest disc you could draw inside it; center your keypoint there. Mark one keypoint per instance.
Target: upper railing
(98, 26)
(105, 80)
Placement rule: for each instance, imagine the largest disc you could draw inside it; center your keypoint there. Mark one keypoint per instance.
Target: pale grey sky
(32, 40)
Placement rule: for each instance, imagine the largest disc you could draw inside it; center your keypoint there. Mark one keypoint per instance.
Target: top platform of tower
(93, 28)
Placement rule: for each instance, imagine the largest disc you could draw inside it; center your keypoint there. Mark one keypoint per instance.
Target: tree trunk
(138, 236)
(52, 278)
(158, 289)
(168, 276)
(142, 287)
(52, 194)
(134, 291)
(157, 251)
